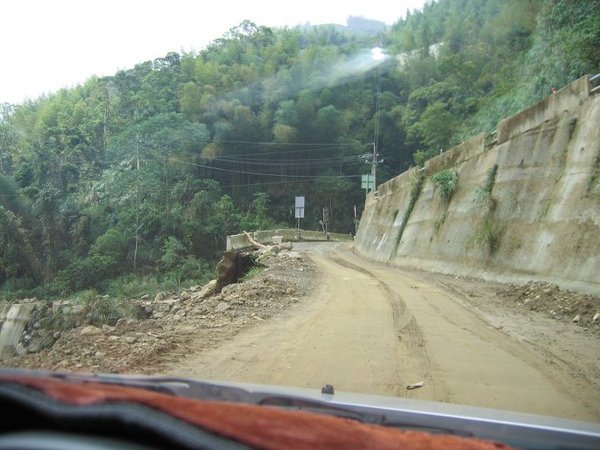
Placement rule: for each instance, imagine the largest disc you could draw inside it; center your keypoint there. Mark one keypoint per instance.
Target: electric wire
(257, 173)
(310, 150)
(291, 144)
(279, 182)
(288, 163)
(330, 158)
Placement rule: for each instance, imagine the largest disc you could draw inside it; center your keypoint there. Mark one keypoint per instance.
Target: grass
(489, 232)
(252, 272)
(488, 235)
(103, 310)
(447, 181)
(438, 223)
(595, 172)
(90, 308)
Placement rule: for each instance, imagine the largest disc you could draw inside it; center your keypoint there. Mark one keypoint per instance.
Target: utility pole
(137, 206)
(376, 129)
(167, 193)
(374, 166)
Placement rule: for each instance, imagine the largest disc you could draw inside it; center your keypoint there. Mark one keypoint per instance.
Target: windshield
(391, 198)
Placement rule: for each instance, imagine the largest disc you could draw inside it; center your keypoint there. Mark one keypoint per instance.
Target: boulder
(160, 296)
(222, 306)
(207, 290)
(90, 330)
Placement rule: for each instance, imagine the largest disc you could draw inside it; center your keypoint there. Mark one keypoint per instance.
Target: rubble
(560, 304)
(173, 323)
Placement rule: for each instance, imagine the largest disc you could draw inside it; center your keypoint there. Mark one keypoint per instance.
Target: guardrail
(240, 241)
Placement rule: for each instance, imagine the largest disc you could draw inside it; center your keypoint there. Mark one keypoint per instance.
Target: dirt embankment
(177, 322)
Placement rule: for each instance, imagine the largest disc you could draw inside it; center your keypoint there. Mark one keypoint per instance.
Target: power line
(291, 162)
(287, 152)
(291, 144)
(241, 158)
(284, 182)
(257, 173)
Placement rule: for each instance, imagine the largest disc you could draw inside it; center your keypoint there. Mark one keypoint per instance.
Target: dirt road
(376, 329)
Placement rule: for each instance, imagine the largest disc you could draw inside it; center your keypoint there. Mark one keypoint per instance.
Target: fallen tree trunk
(259, 246)
(254, 243)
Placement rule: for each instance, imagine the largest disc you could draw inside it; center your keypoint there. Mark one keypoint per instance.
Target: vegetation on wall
(415, 191)
(446, 181)
(487, 236)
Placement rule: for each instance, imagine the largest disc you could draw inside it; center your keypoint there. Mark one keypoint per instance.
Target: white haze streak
(279, 87)
(345, 70)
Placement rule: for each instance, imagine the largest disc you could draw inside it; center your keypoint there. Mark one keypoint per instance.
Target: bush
(112, 244)
(196, 270)
(133, 286)
(104, 310)
(84, 273)
(173, 254)
(447, 180)
(420, 156)
(483, 195)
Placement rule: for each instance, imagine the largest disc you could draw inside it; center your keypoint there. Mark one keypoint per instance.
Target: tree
(437, 125)
(17, 256)
(329, 124)
(131, 166)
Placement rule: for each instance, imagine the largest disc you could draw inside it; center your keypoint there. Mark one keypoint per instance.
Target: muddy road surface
(376, 329)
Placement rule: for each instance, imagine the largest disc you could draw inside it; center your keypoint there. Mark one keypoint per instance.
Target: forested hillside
(132, 181)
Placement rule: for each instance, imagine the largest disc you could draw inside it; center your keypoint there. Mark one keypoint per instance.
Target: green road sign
(367, 182)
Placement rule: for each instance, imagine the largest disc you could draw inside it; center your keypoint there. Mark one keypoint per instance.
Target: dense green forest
(132, 181)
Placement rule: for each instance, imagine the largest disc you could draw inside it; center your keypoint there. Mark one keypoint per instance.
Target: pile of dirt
(178, 320)
(567, 306)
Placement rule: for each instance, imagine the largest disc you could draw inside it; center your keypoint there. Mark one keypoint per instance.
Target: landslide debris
(563, 305)
(177, 322)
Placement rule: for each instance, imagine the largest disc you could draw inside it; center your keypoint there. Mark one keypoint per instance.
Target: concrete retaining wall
(541, 219)
(13, 319)
(565, 101)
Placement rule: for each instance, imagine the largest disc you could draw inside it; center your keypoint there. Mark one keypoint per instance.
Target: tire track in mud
(354, 333)
(406, 328)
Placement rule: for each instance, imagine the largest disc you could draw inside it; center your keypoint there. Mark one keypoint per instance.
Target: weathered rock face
(526, 204)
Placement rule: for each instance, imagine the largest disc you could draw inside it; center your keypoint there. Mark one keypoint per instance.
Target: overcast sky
(49, 44)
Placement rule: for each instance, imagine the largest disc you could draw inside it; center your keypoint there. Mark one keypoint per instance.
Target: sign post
(326, 222)
(367, 182)
(299, 208)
